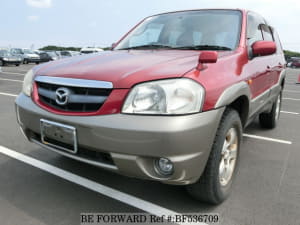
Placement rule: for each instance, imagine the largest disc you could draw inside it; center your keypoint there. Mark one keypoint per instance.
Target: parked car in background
(7, 58)
(65, 54)
(58, 54)
(44, 57)
(294, 62)
(30, 56)
(55, 55)
(169, 103)
(17, 52)
(47, 56)
(89, 50)
(37, 51)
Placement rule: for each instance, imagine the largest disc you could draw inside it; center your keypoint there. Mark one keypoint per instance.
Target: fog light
(164, 166)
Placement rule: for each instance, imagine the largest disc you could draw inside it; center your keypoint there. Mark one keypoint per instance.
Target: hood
(123, 68)
(32, 55)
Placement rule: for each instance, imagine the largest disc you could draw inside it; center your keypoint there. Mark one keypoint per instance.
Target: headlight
(171, 96)
(6, 59)
(27, 83)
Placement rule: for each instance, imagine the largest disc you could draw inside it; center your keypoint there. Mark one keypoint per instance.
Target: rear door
(279, 63)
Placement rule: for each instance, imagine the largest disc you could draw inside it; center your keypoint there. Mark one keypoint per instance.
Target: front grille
(80, 99)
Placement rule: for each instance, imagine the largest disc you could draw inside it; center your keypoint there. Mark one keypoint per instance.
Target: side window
(254, 32)
(267, 33)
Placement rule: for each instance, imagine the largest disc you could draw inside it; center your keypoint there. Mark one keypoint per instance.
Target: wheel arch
(237, 97)
(241, 105)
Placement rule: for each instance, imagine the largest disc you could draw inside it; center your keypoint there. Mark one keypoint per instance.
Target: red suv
(168, 103)
(295, 63)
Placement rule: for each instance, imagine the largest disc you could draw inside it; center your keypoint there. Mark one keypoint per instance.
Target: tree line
(289, 54)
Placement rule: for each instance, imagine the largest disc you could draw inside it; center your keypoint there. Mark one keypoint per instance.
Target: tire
(214, 187)
(37, 63)
(17, 64)
(269, 120)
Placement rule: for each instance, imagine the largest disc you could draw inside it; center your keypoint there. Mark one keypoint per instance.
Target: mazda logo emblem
(62, 96)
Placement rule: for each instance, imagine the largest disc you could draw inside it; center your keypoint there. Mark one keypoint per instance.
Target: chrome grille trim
(81, 96)
(73, 82)
(74, 98)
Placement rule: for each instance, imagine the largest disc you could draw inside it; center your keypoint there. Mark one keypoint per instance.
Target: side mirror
(208, 57)
(263, 48)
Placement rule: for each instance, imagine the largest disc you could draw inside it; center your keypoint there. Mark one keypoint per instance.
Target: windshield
(27, 51)
(204, 29)
(65, 53)
(52, 54)
(16, 51)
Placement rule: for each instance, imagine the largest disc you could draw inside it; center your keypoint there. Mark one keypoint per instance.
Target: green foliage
(289, 54)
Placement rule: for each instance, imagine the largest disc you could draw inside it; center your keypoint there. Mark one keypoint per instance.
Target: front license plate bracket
(59, 136)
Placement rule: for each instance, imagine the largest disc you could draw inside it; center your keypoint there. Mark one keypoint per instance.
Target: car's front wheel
(215, 183)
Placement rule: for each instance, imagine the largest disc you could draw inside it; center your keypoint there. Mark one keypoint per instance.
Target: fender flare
(232, 93)
(282, 76)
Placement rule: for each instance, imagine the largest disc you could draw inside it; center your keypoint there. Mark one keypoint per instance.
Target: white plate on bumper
(59, 136)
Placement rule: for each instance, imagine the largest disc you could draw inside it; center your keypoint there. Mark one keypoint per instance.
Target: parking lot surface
(42, 187)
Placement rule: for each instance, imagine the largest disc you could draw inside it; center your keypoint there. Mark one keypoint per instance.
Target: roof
(191, 10)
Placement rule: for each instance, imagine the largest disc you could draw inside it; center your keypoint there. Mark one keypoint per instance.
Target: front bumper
(133, 142)
(12, 61)
(33, 60)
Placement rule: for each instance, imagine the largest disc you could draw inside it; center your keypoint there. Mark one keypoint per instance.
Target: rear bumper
(132, 141)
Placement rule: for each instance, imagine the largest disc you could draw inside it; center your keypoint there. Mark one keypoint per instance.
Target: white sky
(102, 22)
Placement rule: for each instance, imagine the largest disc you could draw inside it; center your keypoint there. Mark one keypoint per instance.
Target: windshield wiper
(204, 47)
(151, 46)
